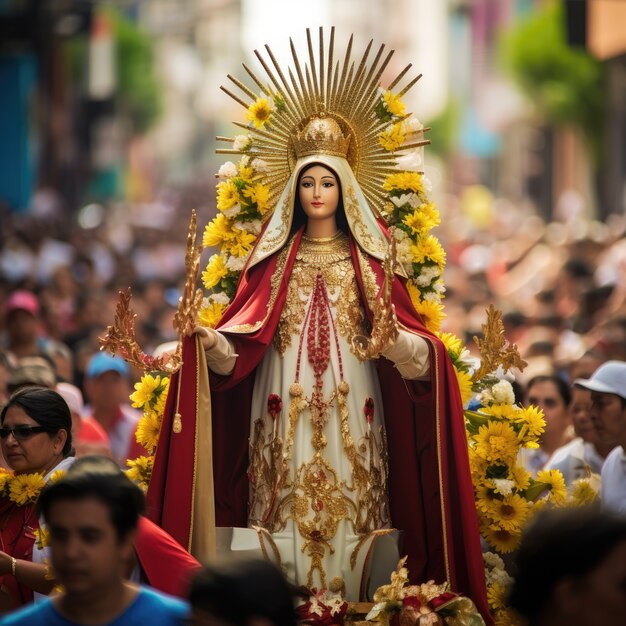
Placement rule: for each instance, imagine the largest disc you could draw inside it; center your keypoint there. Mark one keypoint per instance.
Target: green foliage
(566, 82)
(139, 91)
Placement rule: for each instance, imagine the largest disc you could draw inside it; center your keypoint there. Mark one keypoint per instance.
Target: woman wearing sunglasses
(35, 436)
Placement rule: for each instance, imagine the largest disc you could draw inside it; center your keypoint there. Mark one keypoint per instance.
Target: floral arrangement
(428, 604)
(323, 608)
(24, 488)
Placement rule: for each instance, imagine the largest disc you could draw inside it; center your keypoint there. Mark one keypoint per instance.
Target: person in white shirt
(608, 412)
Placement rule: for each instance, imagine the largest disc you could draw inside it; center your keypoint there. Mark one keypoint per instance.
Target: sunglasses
(20, 433)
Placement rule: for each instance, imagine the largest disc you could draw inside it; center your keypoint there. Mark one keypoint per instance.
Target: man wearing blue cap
(106, 386)
(608, 412)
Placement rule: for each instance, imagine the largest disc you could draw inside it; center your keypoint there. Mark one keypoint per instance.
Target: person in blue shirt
(92, 517)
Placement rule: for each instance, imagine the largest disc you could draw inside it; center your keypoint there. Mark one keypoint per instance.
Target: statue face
(319, 193)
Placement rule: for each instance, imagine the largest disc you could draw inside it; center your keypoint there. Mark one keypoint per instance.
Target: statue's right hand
(208, 336)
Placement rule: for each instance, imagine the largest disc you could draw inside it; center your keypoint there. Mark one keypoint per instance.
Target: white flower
(428, 186)
(400, 201)
(219, 297)
(439, 286)
(251, 226)
(432, 296)
(233, 211)
(228, 170)
(427, 275)
(236, 263)
(412, 161)
(502, 392)
(503, 486)
(412, 125)
(415, 201)
(260, 165)
(493, 560)
(244, 161)
(242, 142)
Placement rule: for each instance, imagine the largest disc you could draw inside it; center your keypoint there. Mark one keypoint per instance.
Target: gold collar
(324, 250)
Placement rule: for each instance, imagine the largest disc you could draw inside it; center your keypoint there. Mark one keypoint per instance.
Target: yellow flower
(159, 405)
(509, 513)
(502, 540)
(485, 498)
(140, 470)
(534, 419)
(501, 411)
(431, 312)
(148, 429)
(215, 270)
(556, 484)
(496, 441)
(42, 537)
(55, 477)
(211, 314)
(259, 194)
(478, 465)
(429, 248)
(521, 476)
(245, 171)
(259, 112)
(227, 195)
(404, 181)
(217, 232)
(242, 243)
(497, 596)
(582, 493)
(392, 138)
(145, 390)
(26, 488)
(5, 480)
(423, 218)
(465, 385)
(452, 343)
(507, 617)
(395, 106)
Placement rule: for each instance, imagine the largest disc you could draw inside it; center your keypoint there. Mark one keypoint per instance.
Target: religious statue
(336, 416)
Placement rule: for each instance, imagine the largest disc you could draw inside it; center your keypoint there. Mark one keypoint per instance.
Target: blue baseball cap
(102, 362)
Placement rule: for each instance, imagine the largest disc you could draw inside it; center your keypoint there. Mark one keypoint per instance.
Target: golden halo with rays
(345, 90)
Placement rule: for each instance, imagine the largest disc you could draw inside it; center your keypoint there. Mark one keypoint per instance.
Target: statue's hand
(384, 332)
(208, 336)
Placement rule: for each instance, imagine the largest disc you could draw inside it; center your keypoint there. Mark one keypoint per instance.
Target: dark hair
(562, 387)
(242, 589)
(299, 216)
(559, 544)
(47, 408)
(100, 478)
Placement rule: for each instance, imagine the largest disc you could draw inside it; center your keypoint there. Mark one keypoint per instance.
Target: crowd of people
(561, 287)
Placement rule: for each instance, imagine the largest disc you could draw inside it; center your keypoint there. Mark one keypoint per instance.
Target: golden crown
(321, 135)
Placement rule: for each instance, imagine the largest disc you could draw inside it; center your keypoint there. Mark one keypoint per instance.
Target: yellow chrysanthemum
(242, 243)
(245, 171)
(260, 195)
(485, 498)
(211, 314)
(140, 470)
(501, 411)
(582, 493)
(393, 138)
(404, 181)
(55, 477)
(159, 405)
(148, 429)
(26, 488)
(431, 312)
(556, 483)
(227, 195)
(465, 385)
(521, 476)
(259, 112)
(502, 540)
(214, 272)
(145, 390)
(510, 513)
(42, 537)
(496, 441)
(496, 596)
(423, 218)
(452, 343)
(534, 419)
(395, 106)
(217, 232)
(429, 248)
(478, 465)
(5, 480)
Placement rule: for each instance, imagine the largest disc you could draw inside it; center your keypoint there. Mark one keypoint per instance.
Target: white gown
(318, 461)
